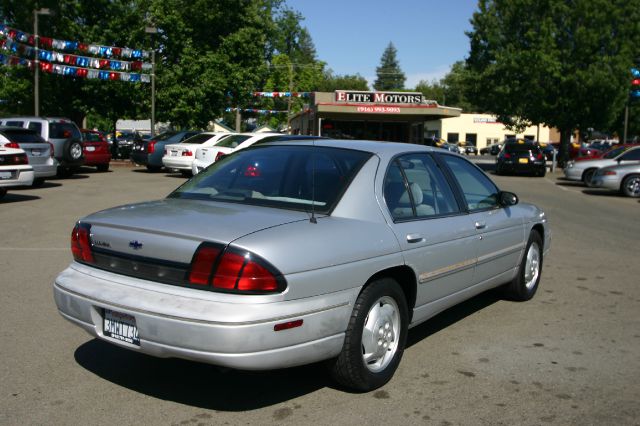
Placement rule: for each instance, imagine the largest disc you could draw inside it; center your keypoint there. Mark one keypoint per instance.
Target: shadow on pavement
(12, 197)
(72, 177)
(602, 192)
(196, 384)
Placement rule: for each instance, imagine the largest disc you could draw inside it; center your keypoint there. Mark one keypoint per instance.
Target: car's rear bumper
(97, 159)
(531, 167)
(198, 165)
(180, 163)
(21, 176)
(228, 330)
(45, 170)
(139, 157)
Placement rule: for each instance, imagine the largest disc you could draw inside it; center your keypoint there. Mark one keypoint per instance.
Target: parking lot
(569, 356)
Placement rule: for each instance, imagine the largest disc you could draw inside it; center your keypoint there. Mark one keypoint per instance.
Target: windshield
(200, 138)
(233, 141)
(290, 177)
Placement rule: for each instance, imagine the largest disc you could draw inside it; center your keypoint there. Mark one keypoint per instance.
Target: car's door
(437, 238)
(501, 236)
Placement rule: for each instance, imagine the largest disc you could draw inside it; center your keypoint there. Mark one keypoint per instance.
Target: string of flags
(257, 111)
(19, 48)
(281, 94)
(71, 46)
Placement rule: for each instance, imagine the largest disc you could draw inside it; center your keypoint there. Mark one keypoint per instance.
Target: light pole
(152, 31)
(36, 82)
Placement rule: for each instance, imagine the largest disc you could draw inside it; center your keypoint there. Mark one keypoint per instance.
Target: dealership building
(401, 117)
(388, 116)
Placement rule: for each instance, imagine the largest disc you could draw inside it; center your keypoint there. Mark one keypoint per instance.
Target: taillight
(187, 153)
(51, 145)
(151, 147)
(507, 155)
(540, 156)
(81, 243)
(12, 145)
(16, 159)
(233, 270)
(219, 155)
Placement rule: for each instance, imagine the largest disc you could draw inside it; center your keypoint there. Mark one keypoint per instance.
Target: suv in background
(62, 133)
(39, 151)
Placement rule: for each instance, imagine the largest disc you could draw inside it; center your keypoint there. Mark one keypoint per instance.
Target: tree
(333, 82)
(389, 75)
(555, 62)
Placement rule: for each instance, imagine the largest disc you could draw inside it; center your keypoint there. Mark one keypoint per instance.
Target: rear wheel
(375, 337)
(64, 171)
(72, 150)
(3, 192)
(525, 284)
(587, 176)
(631, 186)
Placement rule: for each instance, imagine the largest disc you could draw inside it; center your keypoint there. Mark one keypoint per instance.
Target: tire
(186, 173)
(37, 182)
(587, 175)
(631, 186)
(541, 172)
(64, 171)
(3, 192)
(153, 169)
(375, 337)
(102, 167)
(525, 284)
(72, 151)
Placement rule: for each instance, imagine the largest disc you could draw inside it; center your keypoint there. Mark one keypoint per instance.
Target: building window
(491, 141)
(453, 137)
(471, 139)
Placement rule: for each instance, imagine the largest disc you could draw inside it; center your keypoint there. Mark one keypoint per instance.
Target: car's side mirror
(507, 199)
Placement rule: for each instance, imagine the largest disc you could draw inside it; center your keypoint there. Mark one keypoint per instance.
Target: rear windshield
(233, 141)
(289, 177)
(63, 131)
(199, 138)
(525, 147)
(21, 136)
(91, 137)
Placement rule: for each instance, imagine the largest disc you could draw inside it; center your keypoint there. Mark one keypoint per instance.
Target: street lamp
(36, 83)
(152, 31)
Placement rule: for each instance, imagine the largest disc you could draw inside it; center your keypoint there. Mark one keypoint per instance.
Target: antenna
(312, 219)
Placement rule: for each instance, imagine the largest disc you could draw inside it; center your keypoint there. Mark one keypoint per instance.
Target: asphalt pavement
(568, 357)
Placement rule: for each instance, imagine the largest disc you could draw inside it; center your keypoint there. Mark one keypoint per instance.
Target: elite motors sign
(393, 98)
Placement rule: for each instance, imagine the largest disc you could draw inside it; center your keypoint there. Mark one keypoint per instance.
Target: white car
(14, 169)
(180, 156)
(206, 156)
(39, 152)
(585, 170)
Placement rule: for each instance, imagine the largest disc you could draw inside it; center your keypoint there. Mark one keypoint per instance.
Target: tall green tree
(332, 82)
(563, 63)
(389, 76)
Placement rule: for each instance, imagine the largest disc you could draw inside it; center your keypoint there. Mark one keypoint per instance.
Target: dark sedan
(521, 157)
(149, 153)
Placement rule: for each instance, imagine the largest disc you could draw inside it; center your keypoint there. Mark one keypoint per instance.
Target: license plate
(121, 326)
(5, 175)
(174, 153)
(523, 160)
(91, 148)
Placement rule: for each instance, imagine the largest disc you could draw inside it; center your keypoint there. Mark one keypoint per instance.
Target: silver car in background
(289, 253)
(624, 178)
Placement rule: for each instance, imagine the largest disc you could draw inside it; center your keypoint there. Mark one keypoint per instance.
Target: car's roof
(376, 147)
(17, 129)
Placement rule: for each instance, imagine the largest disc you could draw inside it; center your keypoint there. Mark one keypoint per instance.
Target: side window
(36, 126)
(631, 155)
(479, 191)
(415, 187)
(14, 123)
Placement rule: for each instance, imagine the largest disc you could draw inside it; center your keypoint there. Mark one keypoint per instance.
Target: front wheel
(631, 186)
(375, 337)
(525, 284)
(587, 176)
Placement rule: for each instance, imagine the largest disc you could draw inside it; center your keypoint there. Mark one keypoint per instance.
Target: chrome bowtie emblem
(136, 245)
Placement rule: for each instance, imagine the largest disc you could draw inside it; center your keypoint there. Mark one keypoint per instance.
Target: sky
(351, 35)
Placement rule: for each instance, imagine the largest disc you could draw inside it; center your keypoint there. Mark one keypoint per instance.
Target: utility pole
(36, 62)
(290, 97)
(152, 31)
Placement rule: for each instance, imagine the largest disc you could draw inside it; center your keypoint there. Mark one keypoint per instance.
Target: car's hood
(172, 228)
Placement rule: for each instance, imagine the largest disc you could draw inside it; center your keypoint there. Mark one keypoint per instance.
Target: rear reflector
(287, 325)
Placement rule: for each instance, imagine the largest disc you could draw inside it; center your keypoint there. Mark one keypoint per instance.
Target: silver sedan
(624, 178)
(291, 253)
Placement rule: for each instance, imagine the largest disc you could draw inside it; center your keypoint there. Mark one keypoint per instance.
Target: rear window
(63, 131)
(92, 137)
(233, 141)
(15, 123)
(199, 138)
(525, 147)
(164, 136)
(36, 126)
(289, 177)
(21, 136)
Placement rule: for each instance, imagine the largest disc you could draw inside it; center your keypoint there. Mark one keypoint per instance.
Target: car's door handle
(414, 238)
(481, 225)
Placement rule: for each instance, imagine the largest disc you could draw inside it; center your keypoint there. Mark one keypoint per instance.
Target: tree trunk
(565, 140)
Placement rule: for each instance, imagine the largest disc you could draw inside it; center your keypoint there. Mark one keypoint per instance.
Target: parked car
(624, 178)
(39, 151)
(14, 169)
(149, 153)
(470, 149)
(493, 149)
(96, 150)
(549, 151)
(180, 156)
(289, 253)
(62, 133)
(521, 157)
(123, 144)
(585, 170)
(207, 156)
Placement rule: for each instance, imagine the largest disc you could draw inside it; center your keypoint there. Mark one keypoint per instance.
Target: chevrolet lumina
(293, 252)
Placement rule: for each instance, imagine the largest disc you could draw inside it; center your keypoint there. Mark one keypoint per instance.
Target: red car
(96, 150)
(596, 154)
